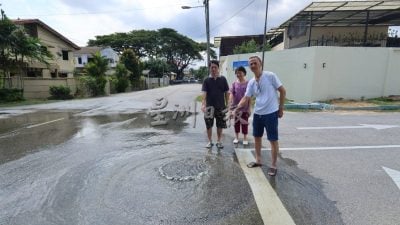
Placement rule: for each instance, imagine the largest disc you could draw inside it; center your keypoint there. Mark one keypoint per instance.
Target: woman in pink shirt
(237, 92)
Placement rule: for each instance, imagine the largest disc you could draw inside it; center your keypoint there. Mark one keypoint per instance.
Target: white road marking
(41, 124)
(361, 126)
(336, 147)
(269, 205)
(394, 174)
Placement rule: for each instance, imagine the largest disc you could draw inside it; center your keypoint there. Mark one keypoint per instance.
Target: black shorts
(218, 114)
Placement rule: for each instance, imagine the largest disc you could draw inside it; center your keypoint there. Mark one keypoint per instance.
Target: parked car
(175, 81)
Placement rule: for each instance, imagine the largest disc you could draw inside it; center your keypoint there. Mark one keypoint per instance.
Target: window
(79, 60)
(34, 72)
(63, 75)
(65, 55)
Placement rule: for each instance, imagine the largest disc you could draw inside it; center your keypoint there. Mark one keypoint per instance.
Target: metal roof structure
(349, 13)
(336, 14)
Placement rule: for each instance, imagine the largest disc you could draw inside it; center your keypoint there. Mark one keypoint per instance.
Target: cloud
(80, 21)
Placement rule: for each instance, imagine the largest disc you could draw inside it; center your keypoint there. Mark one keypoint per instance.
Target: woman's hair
(241, 68)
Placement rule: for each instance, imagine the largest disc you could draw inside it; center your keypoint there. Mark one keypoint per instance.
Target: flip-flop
(272, 171)
(254, 164)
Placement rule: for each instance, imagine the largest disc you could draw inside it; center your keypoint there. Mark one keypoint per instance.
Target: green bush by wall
(11, 95)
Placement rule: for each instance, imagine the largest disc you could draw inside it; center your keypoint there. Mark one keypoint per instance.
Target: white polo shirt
(265, 91)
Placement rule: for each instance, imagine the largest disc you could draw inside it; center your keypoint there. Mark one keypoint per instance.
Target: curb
(323, 106)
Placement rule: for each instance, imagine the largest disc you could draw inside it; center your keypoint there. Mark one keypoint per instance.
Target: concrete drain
(184, 170)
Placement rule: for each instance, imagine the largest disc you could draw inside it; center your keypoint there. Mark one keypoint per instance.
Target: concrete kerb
(329, 107)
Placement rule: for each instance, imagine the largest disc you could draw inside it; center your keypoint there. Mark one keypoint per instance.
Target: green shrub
(95, 85)
(60, 92)
(11, 95)
(121, 85)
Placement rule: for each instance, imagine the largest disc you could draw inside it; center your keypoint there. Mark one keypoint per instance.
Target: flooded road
(82, 166)
(101, 161)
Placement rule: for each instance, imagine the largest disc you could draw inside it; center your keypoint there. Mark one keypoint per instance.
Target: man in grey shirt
(268, 108)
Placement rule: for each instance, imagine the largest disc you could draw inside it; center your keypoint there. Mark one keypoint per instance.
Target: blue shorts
(269, 122)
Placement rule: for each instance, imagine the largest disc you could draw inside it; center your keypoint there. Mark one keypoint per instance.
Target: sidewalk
(332, 107)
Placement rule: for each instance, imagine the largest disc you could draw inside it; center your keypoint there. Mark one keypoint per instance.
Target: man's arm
(228, 99)
(204, 101)
(282, 97)
(244, 101)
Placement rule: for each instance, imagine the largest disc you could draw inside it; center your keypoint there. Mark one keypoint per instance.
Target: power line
(248, 4)
(100, 12)
(231, 17)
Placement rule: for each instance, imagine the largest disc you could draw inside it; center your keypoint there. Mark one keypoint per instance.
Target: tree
(142, 42)
(131, 63)
(121, 74)
(250, 47)
(200, 73)
(178, 50)
(157, 67)
(213, 54)
(17, 47)
(96, 70)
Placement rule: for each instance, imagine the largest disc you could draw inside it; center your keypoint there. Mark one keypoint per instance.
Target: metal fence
(390, 42)
(11, 82)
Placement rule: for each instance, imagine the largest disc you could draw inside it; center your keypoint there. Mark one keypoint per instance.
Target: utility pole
(207, 17)
(265, 36)
(207, 14)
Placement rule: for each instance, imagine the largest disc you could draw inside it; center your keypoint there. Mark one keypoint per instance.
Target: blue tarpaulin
(236, 64)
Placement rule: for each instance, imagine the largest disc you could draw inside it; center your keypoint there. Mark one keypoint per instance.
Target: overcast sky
(81, 20)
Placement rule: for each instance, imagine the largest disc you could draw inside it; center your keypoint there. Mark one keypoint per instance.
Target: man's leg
(272, 134)
(221, 124)
(209, 134)
(274, 152)
(209, 126)
(257, 145)
(258, 131)
(219, 134)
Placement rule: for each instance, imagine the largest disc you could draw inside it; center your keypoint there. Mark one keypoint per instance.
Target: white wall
(84, 58)
(109, 53)
(349, 72)
(392, 79)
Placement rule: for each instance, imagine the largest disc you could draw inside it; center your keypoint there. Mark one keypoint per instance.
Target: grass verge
(27, 102)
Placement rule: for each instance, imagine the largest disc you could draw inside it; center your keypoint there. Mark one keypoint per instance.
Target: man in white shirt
(268, 108)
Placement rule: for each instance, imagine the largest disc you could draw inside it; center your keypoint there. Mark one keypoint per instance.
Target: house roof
(349, 13)
(88, 50)
(46, 27)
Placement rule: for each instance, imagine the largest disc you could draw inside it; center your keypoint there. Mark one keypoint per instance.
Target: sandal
(272, 171)
(254, 164)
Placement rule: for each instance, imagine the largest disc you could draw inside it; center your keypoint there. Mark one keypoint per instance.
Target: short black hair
(216, 62)
(241, 68)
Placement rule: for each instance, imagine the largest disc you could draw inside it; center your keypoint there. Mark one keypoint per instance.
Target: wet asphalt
(101, 161)
(100, 166)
